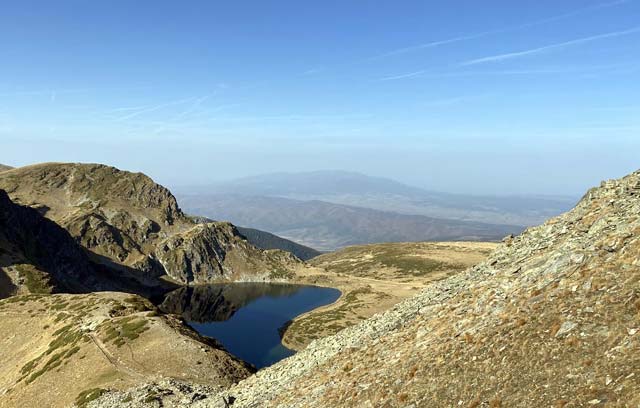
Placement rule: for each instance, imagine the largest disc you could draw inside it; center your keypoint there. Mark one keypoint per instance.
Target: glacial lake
(246, 317)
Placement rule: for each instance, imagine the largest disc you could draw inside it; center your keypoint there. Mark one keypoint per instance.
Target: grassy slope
(66, 348)
(374, 278)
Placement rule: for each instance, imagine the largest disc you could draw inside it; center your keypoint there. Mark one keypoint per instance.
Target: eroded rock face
(128, 222)
(552, 318)
(216, 250)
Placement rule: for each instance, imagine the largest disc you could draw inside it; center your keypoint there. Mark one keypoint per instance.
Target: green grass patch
(281, 273)
(120, 331)
(89, 395)
(36, 281)
(62, 347)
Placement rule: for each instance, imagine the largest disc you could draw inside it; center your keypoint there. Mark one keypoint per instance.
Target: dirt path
(121, 367)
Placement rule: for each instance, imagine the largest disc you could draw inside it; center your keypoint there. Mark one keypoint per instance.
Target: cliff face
(128, 222)
(552, 318)
(210, 251)
(38, 256)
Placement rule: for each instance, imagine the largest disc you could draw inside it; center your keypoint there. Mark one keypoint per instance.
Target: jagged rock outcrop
(552, 318)
(266, 240)
(210, 251)
(128, 222)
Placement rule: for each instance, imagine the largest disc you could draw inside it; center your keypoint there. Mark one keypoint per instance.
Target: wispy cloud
(432, 44)
(456, 100)
(475, 36)
(51, 93)
(618, 108)
(151, 108)
(296, 117)
(313, 71)
(546, 48)
(403, 76)
(609, 69)
(191, 108)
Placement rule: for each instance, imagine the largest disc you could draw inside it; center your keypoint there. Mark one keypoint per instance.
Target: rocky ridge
(128, 222)
(552, 318)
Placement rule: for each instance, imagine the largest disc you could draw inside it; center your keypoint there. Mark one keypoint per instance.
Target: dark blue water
(245, 317)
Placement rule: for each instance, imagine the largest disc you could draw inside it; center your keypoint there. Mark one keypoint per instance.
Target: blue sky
(483, 97)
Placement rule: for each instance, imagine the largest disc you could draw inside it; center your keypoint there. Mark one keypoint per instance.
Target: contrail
(511, 55)
(498, 31)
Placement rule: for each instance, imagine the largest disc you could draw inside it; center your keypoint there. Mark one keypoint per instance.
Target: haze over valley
(336, 204)
(328, 210)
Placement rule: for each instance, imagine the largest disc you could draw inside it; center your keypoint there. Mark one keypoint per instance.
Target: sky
(491, 97)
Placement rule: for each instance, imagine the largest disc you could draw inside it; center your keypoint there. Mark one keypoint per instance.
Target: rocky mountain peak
(127, 221)
(91, 185)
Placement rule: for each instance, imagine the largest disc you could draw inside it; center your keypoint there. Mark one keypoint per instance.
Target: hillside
(4, 167)
(38, 256)
(327, 226)
(565, 292)
(551, 318)
(404, 261)
(67, 349)
(359, 190)
(127, 222)
(265, 240)
(375, 277)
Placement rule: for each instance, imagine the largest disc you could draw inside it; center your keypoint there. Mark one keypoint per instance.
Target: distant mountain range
(332, 209)
(327, 226)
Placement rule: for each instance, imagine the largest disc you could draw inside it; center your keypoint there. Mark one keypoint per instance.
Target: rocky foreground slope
(552, 318)
(58, 350)
(127, 222)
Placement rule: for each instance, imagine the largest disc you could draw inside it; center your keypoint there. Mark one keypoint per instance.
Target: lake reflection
(245, 317)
